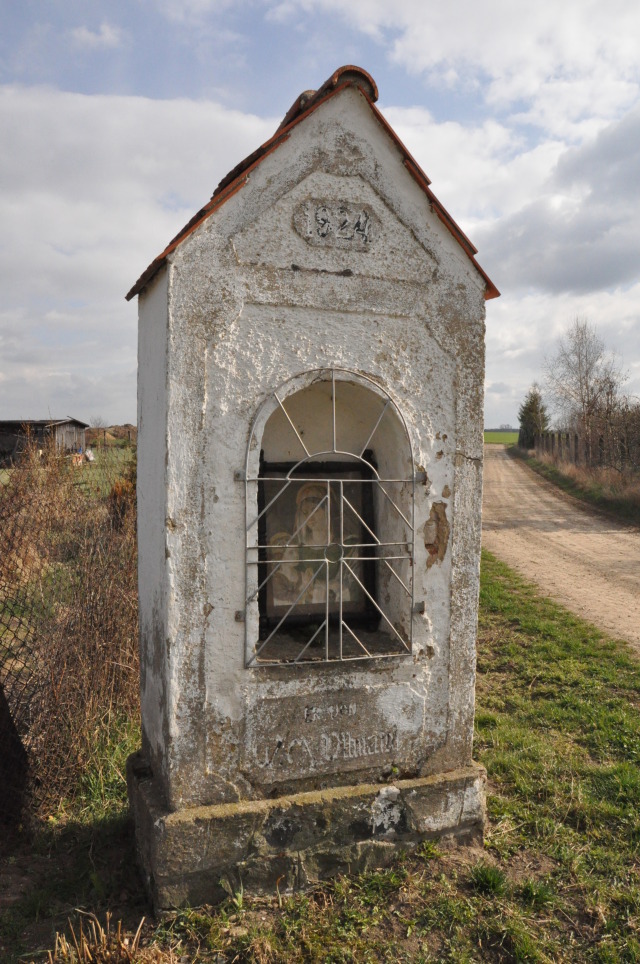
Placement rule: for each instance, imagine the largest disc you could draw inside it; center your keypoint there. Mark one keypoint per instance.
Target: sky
(118, 118)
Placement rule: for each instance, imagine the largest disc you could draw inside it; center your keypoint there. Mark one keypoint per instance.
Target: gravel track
(582, 559)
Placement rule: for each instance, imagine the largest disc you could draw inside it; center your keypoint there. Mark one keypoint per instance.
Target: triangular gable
(303, 106)
(366, 220)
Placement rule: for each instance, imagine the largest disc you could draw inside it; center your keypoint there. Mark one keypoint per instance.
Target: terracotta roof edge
(441, 212)
(337, 82)
(188, 229)
(304, 104)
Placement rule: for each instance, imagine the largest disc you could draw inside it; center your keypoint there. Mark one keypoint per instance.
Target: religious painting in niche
(316, 557)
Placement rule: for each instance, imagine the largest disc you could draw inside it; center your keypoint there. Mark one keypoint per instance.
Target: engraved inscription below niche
(291, 738)
(336, 224)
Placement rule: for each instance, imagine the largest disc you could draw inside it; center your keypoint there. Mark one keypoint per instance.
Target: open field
(116, 455)
(558, 728)
(500, 438)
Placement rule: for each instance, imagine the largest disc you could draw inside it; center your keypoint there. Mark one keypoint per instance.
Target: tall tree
(533, 416)
(583, 378)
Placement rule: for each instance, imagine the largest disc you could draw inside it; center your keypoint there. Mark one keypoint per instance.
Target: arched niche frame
(330, 486)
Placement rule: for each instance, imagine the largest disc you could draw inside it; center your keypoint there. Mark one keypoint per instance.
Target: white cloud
(556, 229)
(107, 36)
(555, 65)
(523, 329)
(91, 191)
(544, 180)
(192, 11)
(577, 231)
(482, 171)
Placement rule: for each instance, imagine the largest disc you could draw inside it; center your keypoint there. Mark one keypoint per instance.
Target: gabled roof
(305, 104)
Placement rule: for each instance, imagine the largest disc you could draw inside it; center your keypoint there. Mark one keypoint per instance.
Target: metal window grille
(330, 538)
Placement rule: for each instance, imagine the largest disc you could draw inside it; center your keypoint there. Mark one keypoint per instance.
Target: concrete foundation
(195, 856)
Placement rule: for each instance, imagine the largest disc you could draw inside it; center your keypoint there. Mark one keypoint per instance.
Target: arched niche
(330, 535)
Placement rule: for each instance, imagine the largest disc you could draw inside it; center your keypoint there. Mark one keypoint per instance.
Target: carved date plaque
(336, 224)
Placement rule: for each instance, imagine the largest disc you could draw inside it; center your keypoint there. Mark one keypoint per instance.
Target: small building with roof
(310, 415)
(67, 434)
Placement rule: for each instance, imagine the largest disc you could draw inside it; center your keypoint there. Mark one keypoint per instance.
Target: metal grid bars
(330, 537)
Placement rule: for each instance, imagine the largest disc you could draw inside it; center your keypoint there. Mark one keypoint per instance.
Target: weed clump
(95, 944)
(488, 879)
(536, 893)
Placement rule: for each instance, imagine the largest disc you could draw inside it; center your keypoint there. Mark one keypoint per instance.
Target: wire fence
(68, 617)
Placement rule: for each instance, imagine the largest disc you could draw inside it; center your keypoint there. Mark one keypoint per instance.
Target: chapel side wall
(467, 527)
(204, 529)
(461, 312)
(151, 500)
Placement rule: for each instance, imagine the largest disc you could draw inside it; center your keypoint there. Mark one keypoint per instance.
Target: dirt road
(585, 561)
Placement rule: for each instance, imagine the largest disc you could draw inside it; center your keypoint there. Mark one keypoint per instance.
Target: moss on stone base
(194, 856)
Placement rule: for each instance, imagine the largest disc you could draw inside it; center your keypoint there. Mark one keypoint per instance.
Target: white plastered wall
(151, 499)
(251, 304)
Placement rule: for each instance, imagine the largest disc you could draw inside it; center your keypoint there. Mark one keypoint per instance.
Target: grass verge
(558, 728)
(621, 501)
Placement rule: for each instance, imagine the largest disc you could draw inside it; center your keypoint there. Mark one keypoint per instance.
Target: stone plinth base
(292, 842)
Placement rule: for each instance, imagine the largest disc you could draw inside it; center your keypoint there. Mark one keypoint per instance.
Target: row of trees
(584, 383)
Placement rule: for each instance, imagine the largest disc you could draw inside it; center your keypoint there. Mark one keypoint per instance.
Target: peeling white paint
(245, 304)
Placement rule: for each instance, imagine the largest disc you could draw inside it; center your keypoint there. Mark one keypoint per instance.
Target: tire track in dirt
(585, 561)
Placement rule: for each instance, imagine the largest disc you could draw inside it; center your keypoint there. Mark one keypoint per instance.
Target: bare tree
(584, 381)
(582, 377)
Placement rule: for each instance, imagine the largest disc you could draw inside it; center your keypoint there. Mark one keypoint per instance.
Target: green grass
(111, 462)
(500, 438)
(101, 793)
(558, 729)
(591, 491)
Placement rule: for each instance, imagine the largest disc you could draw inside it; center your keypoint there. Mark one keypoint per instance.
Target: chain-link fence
(68, 617)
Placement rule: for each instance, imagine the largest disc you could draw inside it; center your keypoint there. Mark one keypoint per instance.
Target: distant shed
(67, 433)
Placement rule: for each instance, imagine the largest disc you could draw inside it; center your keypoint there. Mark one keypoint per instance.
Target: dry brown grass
(95, 944)
(68, 613)
(613, 481)
(613, 490)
